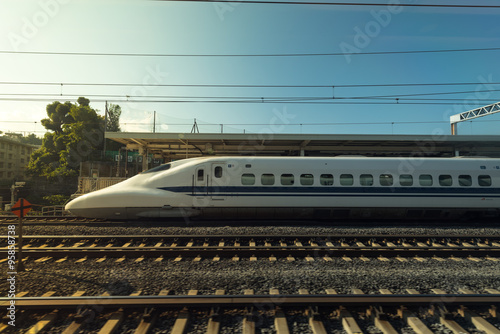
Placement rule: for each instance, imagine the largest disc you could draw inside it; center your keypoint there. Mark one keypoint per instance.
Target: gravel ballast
(206, 276)
(234, 277)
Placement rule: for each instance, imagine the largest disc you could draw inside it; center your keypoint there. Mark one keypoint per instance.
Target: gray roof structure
(186, 145)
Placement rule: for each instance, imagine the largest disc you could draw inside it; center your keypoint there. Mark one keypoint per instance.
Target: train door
(200, 182)
(218, 181)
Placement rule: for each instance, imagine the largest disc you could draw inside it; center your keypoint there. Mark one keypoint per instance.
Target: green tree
(77, 132)
(113, 121)
(31, 139)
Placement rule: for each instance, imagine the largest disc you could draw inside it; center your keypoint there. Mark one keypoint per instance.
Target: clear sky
(190, 29)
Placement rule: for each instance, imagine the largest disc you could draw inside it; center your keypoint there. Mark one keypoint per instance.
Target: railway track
(50, 220)
(248, 313)
(309, 247)
(73, 220)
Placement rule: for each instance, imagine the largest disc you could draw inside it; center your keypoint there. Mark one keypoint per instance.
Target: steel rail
(258, 251)
(250, 300)
(326, 237)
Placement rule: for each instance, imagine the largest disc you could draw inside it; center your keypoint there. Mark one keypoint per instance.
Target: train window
(346, 179)
(201, 174)
(425, 180)
(218, 172)
(287, 179)
(465, 180)
(366, 180)
(406, 180)
(247, 179)
(267, 179)
(306, 179)
(445, 180)
(326, 179)
(157, 169)
(248, 166)
(484, 180)
(386, 180)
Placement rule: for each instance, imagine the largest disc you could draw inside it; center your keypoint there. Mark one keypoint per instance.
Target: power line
(279, 124)
(335, 3)
(242, 55)
(394, 101)
(258, 98)
(247, 86)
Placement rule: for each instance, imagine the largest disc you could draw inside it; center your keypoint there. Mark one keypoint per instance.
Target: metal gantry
(471, 114)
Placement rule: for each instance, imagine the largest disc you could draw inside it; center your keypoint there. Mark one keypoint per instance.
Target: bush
(56, 199)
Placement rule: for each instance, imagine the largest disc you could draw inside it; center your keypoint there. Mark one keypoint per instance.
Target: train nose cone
(95, 205)
(75, 206)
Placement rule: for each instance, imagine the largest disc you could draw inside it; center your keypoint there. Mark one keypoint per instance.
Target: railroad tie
(413, 321)
(493, 291)
(48, 294)
(315, 321)
(213, 326)
(380, 320)
(214, 321)
(466, 291)
(348, 322)
(280, 322)
(47, 320)
(44, 323)
(249, 323)
(78, 320)
(181, 322)
(478, 321)
(248, 326)
(113, 323)
(446, 319)
(164, 292)
(438, 291)
(147, 321)
(412, 291)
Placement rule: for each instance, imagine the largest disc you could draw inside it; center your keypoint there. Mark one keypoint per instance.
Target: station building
(175, 146)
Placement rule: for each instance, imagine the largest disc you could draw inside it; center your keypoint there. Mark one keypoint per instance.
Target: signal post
(20, 209)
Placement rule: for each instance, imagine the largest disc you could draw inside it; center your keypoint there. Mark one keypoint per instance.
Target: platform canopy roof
(186, 145)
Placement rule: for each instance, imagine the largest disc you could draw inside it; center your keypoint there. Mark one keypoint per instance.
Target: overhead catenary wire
(321, 54)
(395, 101)
(243, 99)
(364, 4)
(248, 86)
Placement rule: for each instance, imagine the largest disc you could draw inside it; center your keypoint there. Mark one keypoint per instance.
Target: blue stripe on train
(335, 191)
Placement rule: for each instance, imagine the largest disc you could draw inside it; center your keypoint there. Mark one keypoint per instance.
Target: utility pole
(154, 122)
(105, 127)
(195, 129)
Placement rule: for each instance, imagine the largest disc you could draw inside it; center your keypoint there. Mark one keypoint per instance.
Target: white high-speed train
(302, 187)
